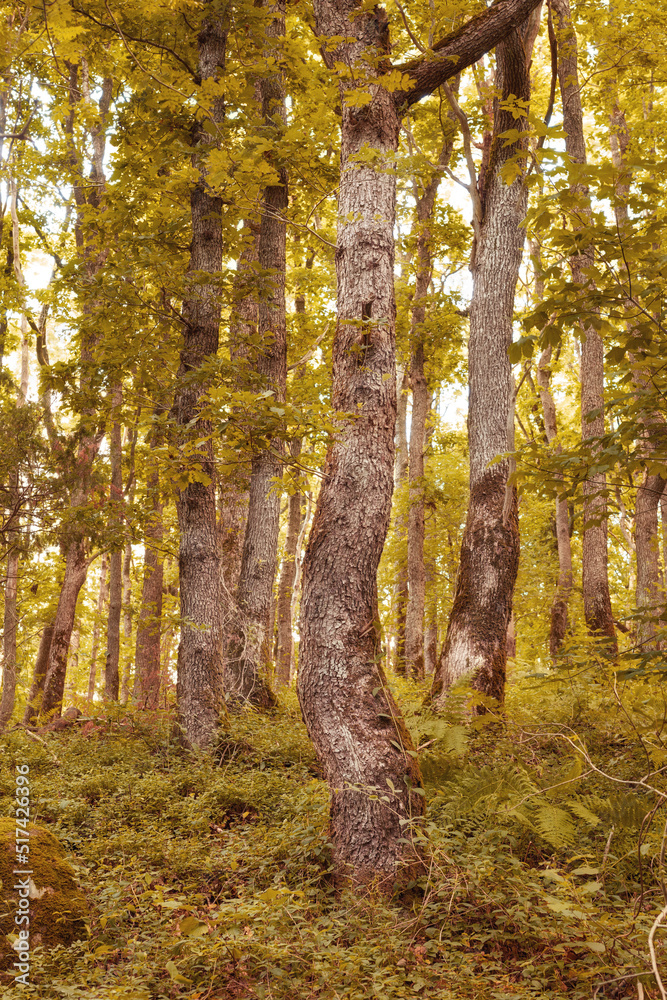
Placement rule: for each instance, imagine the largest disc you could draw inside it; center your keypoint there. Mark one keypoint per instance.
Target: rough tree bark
(597, 603)
(350, 714)
(401, 465)
(476, 645)
(199, 687)
(37, 687)
(127, 622)
(249, 652)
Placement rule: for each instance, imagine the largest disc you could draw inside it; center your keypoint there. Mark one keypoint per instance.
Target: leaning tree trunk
(476, 645)
(595, 583)
(33, 706)
(249, 651)
(199, 688)
(76, 565)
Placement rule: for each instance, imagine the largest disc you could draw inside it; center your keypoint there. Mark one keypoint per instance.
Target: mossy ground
(211, 880)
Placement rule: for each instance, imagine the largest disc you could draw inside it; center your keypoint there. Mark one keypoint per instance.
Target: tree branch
(462, 48)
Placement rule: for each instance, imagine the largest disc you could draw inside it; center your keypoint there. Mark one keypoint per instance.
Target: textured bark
(476, 645)
(285, 641)
(37, 687)
(249, 651)
(559, 608)
(401, 465)
(595, 584)
(350, 714)
(199, 688)
(102, 599)
(111, 677)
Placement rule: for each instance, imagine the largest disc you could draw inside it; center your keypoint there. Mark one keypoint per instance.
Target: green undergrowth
(210, 880)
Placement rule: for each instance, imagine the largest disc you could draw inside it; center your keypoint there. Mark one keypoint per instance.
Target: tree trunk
(33, 706)
(127, 622)
(10, 625)
(597, 603)
(103, 597)
(88, 194)
(111, 678)
(649, 589)
(147, 655)
(559, 608)
(401, 464)
(350, 714)
(249, 651)
(476, 643)
(76, 565)
(200, 650)
(285, 643)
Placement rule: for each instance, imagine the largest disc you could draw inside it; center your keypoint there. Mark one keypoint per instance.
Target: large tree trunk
(200, 650)
(349, 711)
(476, 645)
(597, 603)
(559, 608)
(102, 598)
(249, 651)
(9, 629)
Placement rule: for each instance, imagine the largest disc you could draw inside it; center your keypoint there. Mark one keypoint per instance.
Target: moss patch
(57, 908)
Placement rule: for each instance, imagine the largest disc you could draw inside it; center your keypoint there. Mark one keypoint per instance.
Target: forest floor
(210, 880)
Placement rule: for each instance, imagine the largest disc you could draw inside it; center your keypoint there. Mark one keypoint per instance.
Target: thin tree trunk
(285, 641)
(401, 464)
(351, 716)
(32, 708)
(648, 591)
(9, 629)
(249, 652)
(127, 622)
(101, 601)
(88, 196)
(111, 678)
(595, 583)
(476, 645)
(73, 663)
(200, 650)
(147, 655)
